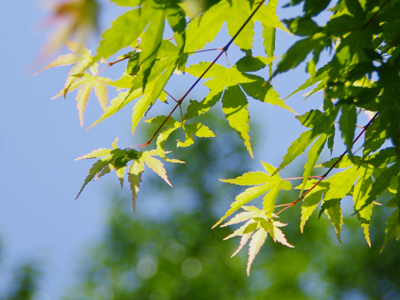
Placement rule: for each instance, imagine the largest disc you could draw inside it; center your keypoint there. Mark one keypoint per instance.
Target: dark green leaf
(302, 26)
(348, 124)
(392, 225)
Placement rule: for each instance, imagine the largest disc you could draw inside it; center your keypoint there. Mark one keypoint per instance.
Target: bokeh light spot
(191, 268)
(146, 268)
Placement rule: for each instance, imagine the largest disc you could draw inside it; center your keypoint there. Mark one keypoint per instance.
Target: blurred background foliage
(23, 282)
(166, 249)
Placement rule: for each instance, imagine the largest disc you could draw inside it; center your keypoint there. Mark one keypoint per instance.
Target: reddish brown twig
(223, 50)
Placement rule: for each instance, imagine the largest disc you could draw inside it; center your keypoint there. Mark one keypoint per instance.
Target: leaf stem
(170, 95)
(112, 63)
(302, 177)
(205, 50)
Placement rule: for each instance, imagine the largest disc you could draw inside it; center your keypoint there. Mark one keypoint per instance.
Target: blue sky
(40, 138)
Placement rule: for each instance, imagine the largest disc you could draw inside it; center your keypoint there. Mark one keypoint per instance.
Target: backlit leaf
(156, 165)
(340, 185)
(246, 229)
(270, 198)
(279, 237)
(381, 183)
(297, 148)
(117, 104)
(251, 178)
(95, 170)
(334, 213)
(312, 158)
(308, 206)
(392, 225)
(269, 35)
(82, 98)
(151, 43)
(360, 195)
(124, 31)
(234, 106)
(244, 198)
(135, 178)
(348, 124)
(257, 240)
(205, 27)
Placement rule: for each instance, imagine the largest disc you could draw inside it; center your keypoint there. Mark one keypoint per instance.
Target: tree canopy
(155, 38)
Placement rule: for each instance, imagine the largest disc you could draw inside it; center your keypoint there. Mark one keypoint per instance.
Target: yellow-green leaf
(257, 240)
(156, 165)
(135, 178)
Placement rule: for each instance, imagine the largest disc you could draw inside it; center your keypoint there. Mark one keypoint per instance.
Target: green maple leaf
(263, 184)
(155, 165)
(361, 191)
(339, 186)
(124, 31)
(392, 228)
(81, 59)
(127, 2)
(321, 76)
(191, 130)
(299, 51)
(146, 21)
(162, 70)
(309, 205)
(110, 159)
(312, 158)
(204, 28)
(135, 172)
(228, 84)
(118, 159)
(171, 125)
(86, 83)
(137, 168)
(347, 123)
(256, 229)
(117, 104)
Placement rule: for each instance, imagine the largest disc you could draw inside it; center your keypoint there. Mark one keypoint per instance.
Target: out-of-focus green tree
(167, 251)
(24, 280)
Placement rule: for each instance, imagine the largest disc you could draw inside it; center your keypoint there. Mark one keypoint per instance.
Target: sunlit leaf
(251, 178)
(135, 178)
(308, 206)
(257, 240)
(244, 198)
(156, 165)
(360, 195)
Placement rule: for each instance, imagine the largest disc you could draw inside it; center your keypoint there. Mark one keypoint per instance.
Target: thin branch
(223, 50)
(170, 95)
(244, 24)
(375, 14)
(180, 106)
(330, 169)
